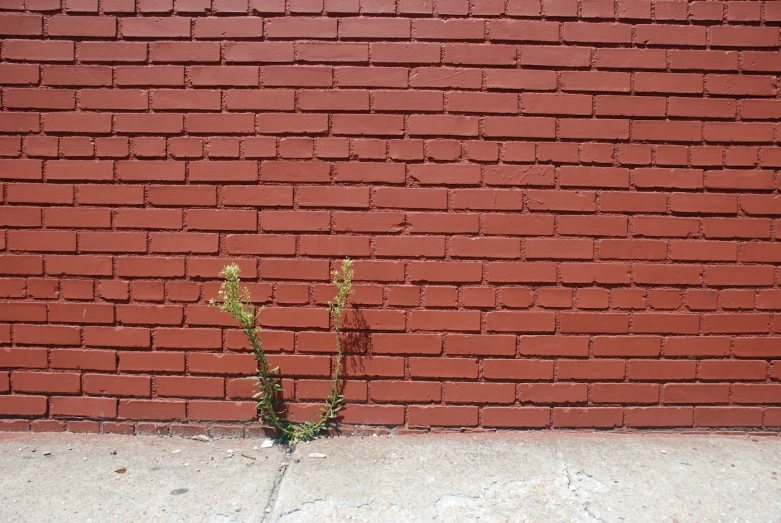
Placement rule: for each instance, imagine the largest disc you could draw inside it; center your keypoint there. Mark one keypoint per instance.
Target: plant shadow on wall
(236, 301)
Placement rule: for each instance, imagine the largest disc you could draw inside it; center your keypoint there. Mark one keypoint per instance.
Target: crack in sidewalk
(272, 498)
(587, 508)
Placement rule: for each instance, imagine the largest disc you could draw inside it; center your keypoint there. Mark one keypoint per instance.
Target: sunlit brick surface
(563, 213)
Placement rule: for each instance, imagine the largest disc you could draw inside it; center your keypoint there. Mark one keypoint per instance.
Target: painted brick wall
(563, 213)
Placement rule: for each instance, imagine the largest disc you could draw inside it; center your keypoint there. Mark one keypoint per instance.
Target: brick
(746, 393)
(376, 366)
(598, 9)
(703, 203)
(43, 51)
(445, 321)
(47, 335)
(85, 427)
(592, 299)
(267, 244)
(695, 393)
(443, 271)
(507, 321)
(529, 370)
(736, 323)
(334, 245)
(78, 265)
(624, 393)
(737, 132)
(516, 417)
(47, 382)
(85, 407)
(449, 29)
(744, 37)
(300, 28)
(594, 323)
(19, 74)
(170, 99)
(728, 417)
(42, 241)
(559, 152)
(269, 52)
(723, 370)
(575, 417)
(703, 250)
(20, 405)
(227, 27)
(757, 275)
(123, 52)
(660, 416)
(441, 77)
(519, 127)
(584, 225)
(149, 314)
(221, 410)
(333, 101)
(90, 194)
(543, 103)
(591, 370)
(83, 26)
(151, 362)
(756, 347)
(97, 360)
(151, 409)
(443, 416)
(513, 272)
(587, 33)
(604, 129)
(149, 218)
(112, 242)
(21, 25)
(443, 368)
(572, 346)
(294, 221)
(480, 393)
(172, 27)
(635, 346)
(410, 246)
(203, 363)
(228, 220)
(48, 426)
(373, 414)
(180, 242)
(375, 28)
(481, 345)
(553, 393)
(107, 385)
(405, 391)
(118, 337)
(538, 248)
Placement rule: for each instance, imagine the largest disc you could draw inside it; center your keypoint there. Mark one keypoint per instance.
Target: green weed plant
(236, 301)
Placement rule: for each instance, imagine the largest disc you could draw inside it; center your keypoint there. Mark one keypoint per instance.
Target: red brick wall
(563, 213)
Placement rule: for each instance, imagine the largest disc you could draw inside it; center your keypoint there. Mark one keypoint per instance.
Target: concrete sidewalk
(488, 478)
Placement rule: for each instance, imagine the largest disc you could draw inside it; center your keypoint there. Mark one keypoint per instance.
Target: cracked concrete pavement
(545, 476)
(164, 479)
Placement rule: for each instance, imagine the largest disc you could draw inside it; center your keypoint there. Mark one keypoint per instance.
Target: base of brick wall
(255, 430)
